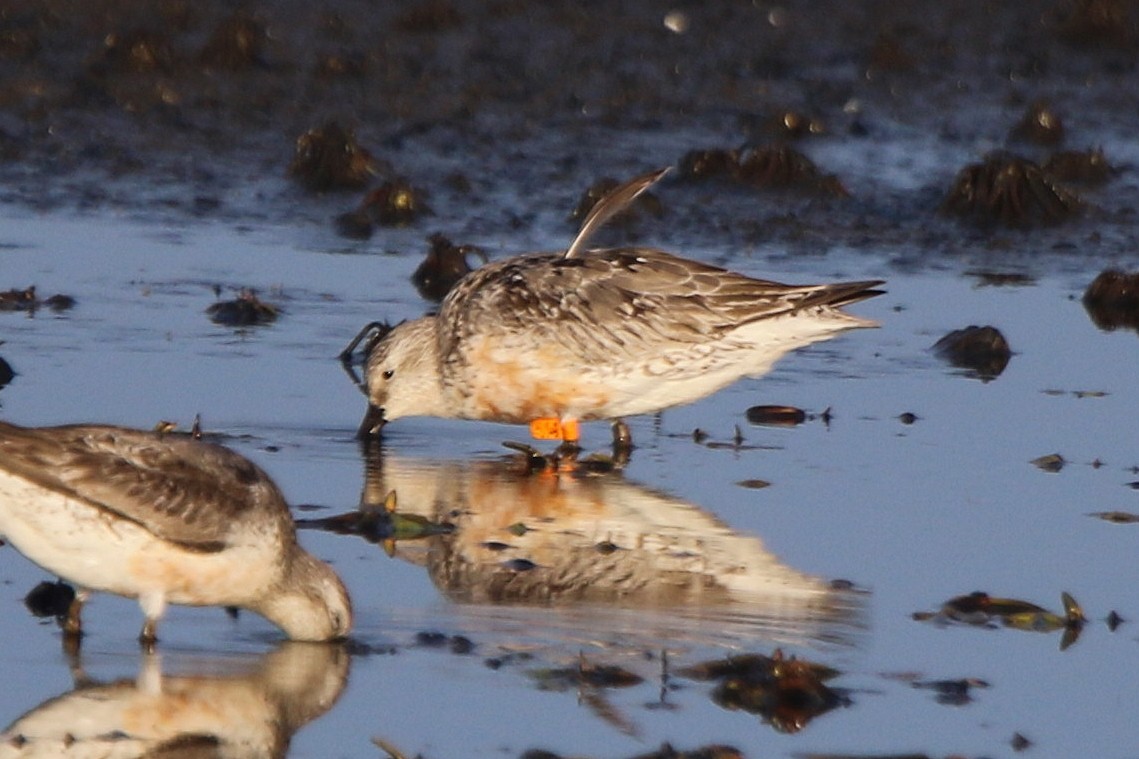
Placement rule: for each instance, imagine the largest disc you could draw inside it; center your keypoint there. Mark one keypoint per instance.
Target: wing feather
(182, 490)
(635, 302)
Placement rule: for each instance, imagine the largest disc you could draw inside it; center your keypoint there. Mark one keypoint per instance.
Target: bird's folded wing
(182, 490)
(632, 301)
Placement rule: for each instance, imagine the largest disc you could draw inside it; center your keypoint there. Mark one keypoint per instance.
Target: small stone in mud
(1113, 620)
(1040, 125)
(247, 310)
(781, 416)
(445, 264)
(330, 158)
(430, 639)
(1053, 463)
(1019, 742)
(793, 125)
(982, 350)
(1009, 190)
(60, 302)
(18, 300)
(50, 599)
(1112, 300)
(462, 645)
(754, 484)
(907, 418)
(26, 300)
(394, 203)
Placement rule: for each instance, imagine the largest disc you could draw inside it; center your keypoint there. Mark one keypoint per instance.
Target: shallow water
(140, 209)
(910, 514)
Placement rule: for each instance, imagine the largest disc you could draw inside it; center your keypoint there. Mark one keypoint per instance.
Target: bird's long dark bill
(372, 423)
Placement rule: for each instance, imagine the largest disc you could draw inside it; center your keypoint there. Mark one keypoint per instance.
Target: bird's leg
(149, 635)
(622, 444)
(71, 623)
(149, 680)
(153, 605)
(569, 449)
(552, 428)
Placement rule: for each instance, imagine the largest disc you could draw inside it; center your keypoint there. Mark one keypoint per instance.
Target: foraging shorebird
(163, 519)
(551, 339)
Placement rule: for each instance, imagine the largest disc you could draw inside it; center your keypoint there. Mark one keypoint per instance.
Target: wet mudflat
(909, 484)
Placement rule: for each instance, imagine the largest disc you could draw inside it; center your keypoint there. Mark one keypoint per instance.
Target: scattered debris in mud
(382, 524)
(1116, 517)
(776, 416)
(979, 609)
(395, 203)
(445, 264)
(27, 301)
(246, 310)
(330, 158)
(785, 691)
(776, 166)
(949, 692)
(1009, 190)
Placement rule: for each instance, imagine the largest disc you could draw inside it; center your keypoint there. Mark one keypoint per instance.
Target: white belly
(97, 550)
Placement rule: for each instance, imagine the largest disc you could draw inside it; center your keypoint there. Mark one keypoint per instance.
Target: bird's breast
(500, 383)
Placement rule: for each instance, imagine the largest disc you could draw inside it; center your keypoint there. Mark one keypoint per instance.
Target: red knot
(550, 339)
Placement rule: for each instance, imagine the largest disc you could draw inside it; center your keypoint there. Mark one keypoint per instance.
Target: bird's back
(619, 304)
(618, 332)
(183, 490)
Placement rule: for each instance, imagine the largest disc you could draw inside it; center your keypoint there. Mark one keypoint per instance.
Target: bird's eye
(389, 373)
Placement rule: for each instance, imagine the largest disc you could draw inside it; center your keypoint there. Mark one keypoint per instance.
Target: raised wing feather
(182, 490)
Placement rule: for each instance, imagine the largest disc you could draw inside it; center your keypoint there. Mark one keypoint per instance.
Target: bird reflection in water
(254, 712)
(601, 549)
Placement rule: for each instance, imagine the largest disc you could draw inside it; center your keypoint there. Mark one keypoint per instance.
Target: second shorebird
(550, 339)
(163, 519)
